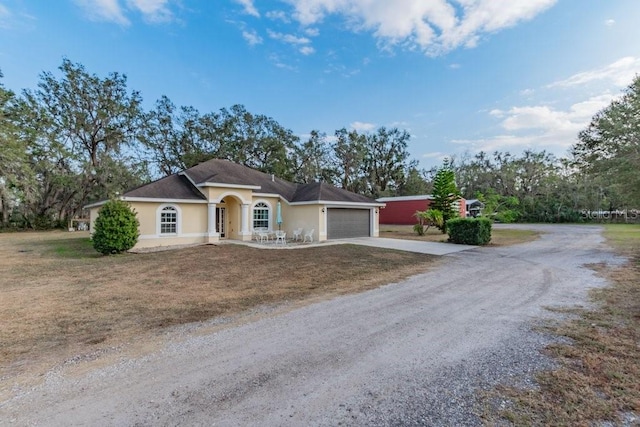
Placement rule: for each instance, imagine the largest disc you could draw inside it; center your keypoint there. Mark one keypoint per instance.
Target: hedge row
(469, 231)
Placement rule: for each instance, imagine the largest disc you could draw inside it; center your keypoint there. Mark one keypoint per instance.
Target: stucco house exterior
(219, 199)
(400, 210)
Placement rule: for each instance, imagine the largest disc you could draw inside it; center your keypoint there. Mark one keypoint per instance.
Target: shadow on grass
(69, 248)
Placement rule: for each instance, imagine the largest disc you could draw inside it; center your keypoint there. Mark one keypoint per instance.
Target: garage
(343, 223)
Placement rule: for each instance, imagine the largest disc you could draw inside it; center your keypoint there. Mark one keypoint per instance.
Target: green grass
(624, 237)
(72, 248)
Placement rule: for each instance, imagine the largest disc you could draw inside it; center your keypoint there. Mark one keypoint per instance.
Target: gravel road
(409, 353)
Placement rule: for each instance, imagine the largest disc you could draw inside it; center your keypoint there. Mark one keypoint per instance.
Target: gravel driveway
(410, 353)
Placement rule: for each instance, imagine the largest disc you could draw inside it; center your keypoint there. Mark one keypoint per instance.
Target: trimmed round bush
(116, 228)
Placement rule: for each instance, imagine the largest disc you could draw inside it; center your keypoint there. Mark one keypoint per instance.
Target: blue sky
(460, 75)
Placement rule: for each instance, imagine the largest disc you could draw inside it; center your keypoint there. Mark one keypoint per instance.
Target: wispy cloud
(280, 63)
(278, 15)
(548, 126)
(301, 43)
(252, 37)
(154, 11)
(621, 73)
(249, 7)
(435, 26)
(362, 126)
(610, 22)
(5, 16)
(540, 126)
(288, 38)
(104, 10)
(307, 50)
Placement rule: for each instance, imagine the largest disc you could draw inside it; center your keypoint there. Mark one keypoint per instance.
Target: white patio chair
(257, 233)
(308, 235)
(297, 234)
(281, 237)
(264, 235)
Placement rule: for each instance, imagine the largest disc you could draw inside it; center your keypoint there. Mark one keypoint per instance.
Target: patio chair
(257, 233)
(281, 237)
(308, 235)
(297, 234)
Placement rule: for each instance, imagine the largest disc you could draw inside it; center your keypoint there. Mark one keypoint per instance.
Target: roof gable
(219, 171)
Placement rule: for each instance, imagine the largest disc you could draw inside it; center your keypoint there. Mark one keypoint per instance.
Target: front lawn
(61, 298)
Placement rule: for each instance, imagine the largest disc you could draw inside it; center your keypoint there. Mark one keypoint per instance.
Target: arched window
(168, 220)
(261, 215)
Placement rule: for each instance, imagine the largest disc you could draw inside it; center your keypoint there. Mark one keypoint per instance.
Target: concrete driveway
(431, 248)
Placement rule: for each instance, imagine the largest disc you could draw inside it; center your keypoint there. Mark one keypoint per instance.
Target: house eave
(162, 200)
(334, 203)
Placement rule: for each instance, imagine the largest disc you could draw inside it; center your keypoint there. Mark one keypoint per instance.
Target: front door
(220, 219)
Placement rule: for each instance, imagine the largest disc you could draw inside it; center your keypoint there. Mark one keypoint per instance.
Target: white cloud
(288, 38)
(312, 32)
(362, 126)
(276, 15)
(621, 73)
(249, 7)
(252, 37)
(104, 10)
(540, 126)
(5, 16)
(152, 10)
(434, 26)
(545, 126)
(116, 11)
(278, 62)
(307, 50)
(454, 66)
(610, 22)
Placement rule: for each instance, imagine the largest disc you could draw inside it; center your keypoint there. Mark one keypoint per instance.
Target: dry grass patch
(499, 237)
(599, 377)
(60, 297)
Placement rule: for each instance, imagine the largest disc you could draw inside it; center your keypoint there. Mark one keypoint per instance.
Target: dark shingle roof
(171, 187)
(326, 192)
(218, 171)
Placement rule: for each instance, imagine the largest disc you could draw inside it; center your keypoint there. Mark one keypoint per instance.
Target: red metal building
(401, 210)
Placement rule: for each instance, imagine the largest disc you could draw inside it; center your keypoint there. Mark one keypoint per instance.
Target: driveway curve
(409, 353)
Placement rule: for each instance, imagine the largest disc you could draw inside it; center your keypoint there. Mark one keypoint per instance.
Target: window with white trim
(261, 215)
(169, 220)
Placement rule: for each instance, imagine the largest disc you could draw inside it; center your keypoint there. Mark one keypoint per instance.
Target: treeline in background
(79, 138)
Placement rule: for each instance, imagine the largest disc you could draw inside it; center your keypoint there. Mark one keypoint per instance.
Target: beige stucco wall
(192, 224)
(193, 218)
(305, 217)
(215, 194)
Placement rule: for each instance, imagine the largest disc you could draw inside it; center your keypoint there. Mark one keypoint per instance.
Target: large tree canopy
(609, 148)
(79, 137)
(78, 131)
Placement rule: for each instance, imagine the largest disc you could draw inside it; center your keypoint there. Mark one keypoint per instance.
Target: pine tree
(445, 194)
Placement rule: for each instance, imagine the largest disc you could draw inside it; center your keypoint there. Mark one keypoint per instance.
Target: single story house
(219, 199)
(400, 210)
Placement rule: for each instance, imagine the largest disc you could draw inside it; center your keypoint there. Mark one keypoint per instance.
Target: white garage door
(345, 223)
